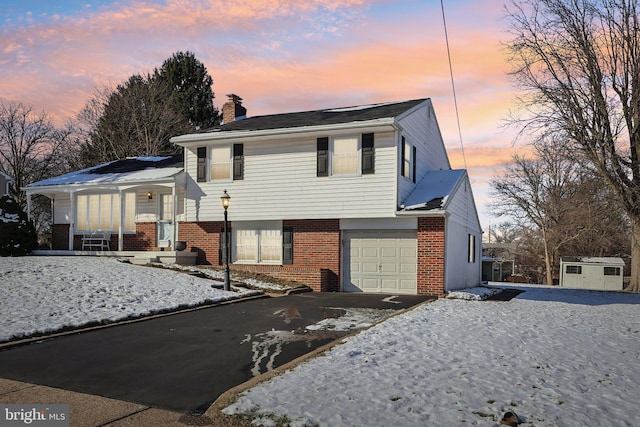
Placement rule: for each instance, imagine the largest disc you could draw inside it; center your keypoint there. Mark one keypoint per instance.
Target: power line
(453, 85)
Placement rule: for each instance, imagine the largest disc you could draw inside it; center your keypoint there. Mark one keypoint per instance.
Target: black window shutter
(414, 163)
(402, 157)
(222, 256)
(238, 161)
(323, 156)
(202, 164)
(368, 159)
(287, 245)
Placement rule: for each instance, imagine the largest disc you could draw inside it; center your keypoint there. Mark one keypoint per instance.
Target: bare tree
(31, 147)
(539, 193)
(135, 119)
(578, 63)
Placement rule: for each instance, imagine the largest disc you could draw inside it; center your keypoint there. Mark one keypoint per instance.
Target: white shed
(604, 273)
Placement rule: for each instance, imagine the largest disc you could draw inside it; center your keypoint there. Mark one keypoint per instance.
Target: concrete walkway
(92, 411)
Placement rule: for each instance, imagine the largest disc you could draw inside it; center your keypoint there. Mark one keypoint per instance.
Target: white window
(258, 243)
(102, 212)
(344, 158)
(221, 162)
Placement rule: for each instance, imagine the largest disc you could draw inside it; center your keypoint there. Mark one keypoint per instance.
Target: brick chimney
(233, 110)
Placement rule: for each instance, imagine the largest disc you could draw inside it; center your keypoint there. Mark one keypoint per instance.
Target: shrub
(17, 233)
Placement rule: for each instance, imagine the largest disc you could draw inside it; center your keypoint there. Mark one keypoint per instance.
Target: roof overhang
(177, 178)
(389, 124)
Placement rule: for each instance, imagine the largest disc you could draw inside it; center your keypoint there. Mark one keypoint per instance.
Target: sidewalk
(92, 411)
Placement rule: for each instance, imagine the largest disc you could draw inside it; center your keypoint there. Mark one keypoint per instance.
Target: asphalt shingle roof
(329, 116)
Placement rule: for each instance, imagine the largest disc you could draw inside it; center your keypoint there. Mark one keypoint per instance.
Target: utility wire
(453, 85)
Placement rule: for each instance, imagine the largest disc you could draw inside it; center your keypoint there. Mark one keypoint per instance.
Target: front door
(165, 220)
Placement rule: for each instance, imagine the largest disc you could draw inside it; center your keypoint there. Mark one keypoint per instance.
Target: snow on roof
(126, 170)
(432, 193)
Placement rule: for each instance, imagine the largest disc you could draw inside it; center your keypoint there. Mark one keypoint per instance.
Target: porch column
(72, 218)
(29, 215)
(122, 219)
(173, 216)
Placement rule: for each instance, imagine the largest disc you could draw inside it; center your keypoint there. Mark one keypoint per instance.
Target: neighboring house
(354, 199)
(599, 273)
(5, 180)
(498, 262)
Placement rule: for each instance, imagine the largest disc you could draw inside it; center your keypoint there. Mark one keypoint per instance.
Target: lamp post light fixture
(226, 200)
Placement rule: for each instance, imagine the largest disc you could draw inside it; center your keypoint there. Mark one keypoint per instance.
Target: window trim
(257, 227)
(358, 157)
(365, 151)
(229, 163)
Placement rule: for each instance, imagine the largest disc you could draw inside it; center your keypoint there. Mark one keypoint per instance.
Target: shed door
(380, 261)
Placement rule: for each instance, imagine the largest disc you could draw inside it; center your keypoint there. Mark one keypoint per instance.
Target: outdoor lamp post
(226, 200)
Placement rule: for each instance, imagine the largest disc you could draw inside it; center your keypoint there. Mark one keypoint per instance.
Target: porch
(135, 257)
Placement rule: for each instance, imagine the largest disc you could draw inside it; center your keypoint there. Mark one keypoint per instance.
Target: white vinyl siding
(420, 128)
(280, 180)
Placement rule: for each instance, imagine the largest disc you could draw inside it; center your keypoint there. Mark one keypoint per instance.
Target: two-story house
(354, 199)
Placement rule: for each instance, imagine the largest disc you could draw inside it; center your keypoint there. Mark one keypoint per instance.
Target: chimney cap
(233, 97)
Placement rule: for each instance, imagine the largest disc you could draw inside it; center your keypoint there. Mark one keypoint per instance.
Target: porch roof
(125, 172)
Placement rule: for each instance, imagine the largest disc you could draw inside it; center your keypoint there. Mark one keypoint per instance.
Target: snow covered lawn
(556, 357)
(45, 294)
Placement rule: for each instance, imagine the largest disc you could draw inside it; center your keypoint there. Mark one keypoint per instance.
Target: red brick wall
(316, 251)
(203, 238)
(316, 244)
(60, 237)
(143, 240)
(431, 251)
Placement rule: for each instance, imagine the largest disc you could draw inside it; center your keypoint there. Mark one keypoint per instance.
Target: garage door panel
(369, 252)
(369, 284)
(408, 269)
(369, 267)
(389, 253)
(383, 262)
(388, 268)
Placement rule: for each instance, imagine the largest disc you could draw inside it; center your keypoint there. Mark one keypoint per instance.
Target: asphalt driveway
(183, 362)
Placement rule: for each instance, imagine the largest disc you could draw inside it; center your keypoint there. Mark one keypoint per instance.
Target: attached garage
(380, 261)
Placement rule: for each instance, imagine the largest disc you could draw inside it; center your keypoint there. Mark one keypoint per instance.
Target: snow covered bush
(17, 234)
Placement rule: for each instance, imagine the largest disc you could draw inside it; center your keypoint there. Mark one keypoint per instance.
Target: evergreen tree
(17, 233)
(189, 80)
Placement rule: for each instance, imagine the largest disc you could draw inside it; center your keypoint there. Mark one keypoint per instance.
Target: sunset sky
(279, 56)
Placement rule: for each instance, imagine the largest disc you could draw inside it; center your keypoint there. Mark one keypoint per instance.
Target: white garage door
(384, 262)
